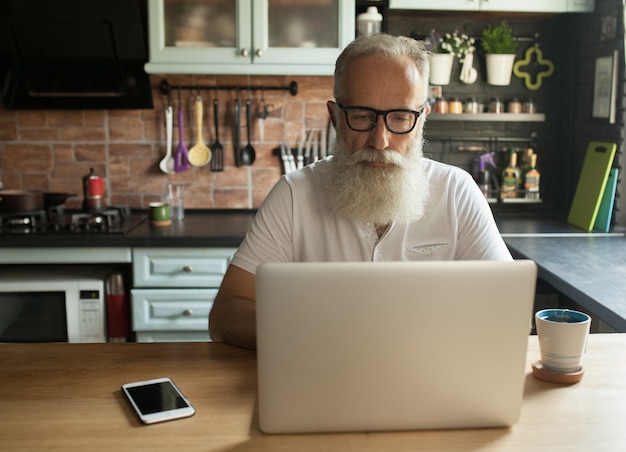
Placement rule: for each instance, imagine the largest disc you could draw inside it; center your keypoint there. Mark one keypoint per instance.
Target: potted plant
(499, 45)
(443, 50)
(441, 59)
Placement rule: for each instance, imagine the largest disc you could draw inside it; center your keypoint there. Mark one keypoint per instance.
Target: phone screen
(155, 397)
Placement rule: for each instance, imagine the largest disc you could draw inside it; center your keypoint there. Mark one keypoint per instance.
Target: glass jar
(529, 106)
(441, 105)
(514, 106)
(455, 106)
(471, 105)
(496, 105)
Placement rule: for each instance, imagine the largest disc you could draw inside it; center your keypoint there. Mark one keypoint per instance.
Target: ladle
(248, 154)
(167, 163)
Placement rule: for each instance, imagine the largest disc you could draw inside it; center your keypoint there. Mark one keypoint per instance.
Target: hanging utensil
(237, 139)
(199, 154)
(248, 154)
(167, 163)
(217, 161)
(180, 158)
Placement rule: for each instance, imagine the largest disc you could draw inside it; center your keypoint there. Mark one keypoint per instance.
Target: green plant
(457, 44)
(498, 39)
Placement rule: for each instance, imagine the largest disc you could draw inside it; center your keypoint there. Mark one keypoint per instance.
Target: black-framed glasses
(364, 119)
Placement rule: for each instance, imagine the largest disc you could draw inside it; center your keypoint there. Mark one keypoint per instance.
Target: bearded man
(375, 199)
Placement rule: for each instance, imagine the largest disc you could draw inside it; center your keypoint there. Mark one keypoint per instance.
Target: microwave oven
(52, 305)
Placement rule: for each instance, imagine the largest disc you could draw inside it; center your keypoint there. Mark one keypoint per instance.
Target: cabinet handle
(259, 53)
(187, 312)
(187, 269)
(244, 52)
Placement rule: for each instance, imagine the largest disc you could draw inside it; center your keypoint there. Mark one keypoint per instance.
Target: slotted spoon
(199, 154)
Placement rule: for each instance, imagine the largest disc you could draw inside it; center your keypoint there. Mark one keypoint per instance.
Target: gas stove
(56, 220)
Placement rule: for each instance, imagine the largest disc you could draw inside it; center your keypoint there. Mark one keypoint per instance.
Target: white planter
(499, 69)
(441, 68)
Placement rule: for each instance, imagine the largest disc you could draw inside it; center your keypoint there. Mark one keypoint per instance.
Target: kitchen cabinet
(271, 37)
(538, 6)
(173, 291)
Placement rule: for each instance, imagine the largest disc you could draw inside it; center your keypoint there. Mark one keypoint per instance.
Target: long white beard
(379, 195)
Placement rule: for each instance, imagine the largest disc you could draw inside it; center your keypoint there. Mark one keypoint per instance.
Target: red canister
(95, 187)
(118, 308)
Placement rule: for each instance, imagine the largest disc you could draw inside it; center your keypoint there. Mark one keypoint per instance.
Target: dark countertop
(199, 228)
(589, 268)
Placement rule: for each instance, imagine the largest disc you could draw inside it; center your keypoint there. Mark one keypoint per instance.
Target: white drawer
(172, 336)
(180, 267)
(172, 310)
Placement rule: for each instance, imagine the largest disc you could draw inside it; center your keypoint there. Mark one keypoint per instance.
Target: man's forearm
(233, 321)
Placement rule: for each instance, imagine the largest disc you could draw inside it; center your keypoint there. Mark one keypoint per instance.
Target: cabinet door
(482, 5)
(172, 309)
(304, 32)
(186, 35)
(580, 6)
(172, 267)
(535, 6)
(441, 5)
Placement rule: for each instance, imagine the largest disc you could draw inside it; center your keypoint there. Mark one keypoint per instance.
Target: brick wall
(51, 150)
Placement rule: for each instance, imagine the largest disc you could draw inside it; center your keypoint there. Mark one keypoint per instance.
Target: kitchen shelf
(503, 117)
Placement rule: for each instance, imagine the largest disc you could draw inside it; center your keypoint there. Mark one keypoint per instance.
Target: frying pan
(55, 199)
(20, 201)
(30, 201)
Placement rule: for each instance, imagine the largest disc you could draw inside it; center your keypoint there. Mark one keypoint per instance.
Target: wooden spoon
(199, 154)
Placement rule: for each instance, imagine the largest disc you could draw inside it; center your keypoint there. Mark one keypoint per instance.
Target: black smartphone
(157, 400)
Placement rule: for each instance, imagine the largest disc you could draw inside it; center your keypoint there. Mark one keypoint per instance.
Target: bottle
(484, 176)
(531, 181)
(369, 22)
(526, 162)
(510, 178)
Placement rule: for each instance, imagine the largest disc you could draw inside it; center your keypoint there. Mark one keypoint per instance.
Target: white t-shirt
(294, 225)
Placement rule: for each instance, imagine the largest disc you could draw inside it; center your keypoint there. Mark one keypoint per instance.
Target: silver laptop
(392, 346)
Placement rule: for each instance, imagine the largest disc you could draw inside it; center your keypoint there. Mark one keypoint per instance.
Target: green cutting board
(591, 185)
(605, 212)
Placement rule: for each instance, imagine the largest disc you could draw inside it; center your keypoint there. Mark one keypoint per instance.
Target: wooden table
(67, 397)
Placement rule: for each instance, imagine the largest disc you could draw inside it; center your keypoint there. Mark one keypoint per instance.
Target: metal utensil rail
(166, 88)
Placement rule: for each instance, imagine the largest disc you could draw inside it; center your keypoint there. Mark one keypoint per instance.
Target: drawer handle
(187, 269)
(187, 312)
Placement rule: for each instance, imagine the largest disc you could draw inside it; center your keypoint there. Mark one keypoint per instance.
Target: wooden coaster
(554, 377)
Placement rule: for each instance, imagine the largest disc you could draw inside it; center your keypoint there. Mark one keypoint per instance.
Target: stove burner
(111, 219)
(100, 221)
(23, 222)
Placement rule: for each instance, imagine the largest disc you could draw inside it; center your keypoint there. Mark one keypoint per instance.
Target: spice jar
(455, 106)
(496, 105)
(529, 106)
(441, 105)
(471, 105)
(514, 106)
